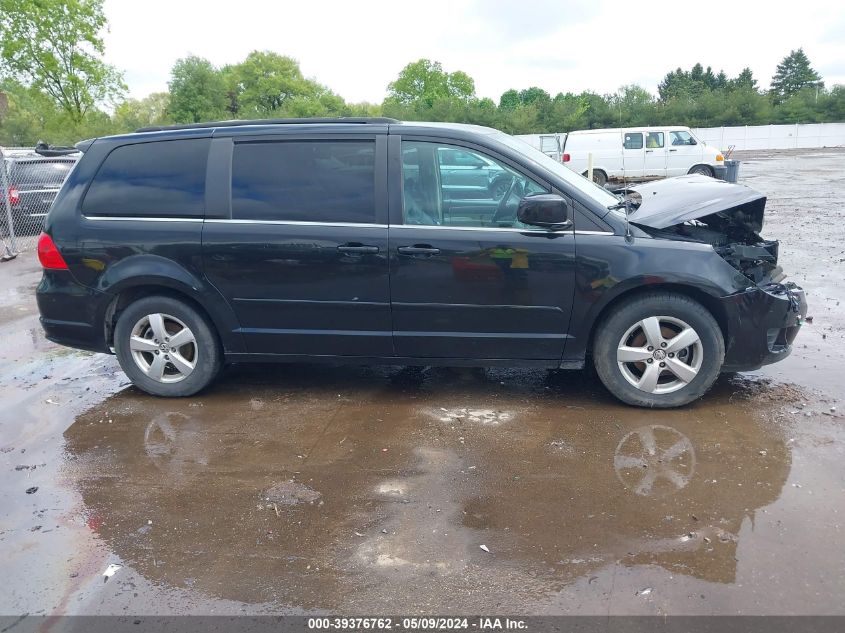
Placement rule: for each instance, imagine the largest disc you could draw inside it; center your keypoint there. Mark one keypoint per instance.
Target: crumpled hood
(677, 200)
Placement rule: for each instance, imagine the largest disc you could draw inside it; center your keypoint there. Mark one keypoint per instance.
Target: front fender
(610, 267)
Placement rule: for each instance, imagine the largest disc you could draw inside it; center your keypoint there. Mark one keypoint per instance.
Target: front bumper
(762, 323)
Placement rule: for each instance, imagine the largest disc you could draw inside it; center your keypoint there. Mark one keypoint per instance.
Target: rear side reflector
(49, 255)
(566, 158)
(14, 196)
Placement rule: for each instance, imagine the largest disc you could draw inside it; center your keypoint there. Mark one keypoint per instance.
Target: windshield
(587, 187)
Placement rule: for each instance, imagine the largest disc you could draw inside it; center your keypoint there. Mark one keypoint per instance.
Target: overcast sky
(356, 48)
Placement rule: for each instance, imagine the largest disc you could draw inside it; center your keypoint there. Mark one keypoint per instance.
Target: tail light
(566, 158)
(49, 255)
(14, 196)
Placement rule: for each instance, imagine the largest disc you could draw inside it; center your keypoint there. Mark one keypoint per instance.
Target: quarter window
(161, 178)
(452, 186)
(633, 140)
(304, 181)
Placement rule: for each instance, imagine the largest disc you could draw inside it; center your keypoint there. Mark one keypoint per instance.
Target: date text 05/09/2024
(417, 624)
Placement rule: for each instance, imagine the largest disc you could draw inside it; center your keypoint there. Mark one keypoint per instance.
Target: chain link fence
(30, 178)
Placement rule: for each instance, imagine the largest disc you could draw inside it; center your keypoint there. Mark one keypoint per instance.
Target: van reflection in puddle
(292, 494)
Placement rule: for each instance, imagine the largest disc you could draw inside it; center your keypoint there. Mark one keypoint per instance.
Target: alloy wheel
(660, 354)
(163, 347)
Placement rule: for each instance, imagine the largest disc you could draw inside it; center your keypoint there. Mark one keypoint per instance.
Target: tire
(599, 177)
(499, 187)
(702, 170)
(653, 321)
(160, 370)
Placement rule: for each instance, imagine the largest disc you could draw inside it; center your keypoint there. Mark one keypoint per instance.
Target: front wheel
(659, 350)
(702, 170)
(167, 347)
(599, 177)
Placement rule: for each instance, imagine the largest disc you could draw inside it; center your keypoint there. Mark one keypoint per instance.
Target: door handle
(673, 150)
(360, 249)
(418, 249)
(649, 151)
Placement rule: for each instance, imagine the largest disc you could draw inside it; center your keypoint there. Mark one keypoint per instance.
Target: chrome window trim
(500, 229)
(297, 223)
(344, 224)
(132, 218)
(496, 228)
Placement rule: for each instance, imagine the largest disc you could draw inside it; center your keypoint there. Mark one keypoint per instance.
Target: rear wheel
(659, 350)
(166, 347)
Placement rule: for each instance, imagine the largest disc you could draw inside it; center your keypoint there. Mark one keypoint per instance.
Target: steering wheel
(503, 212)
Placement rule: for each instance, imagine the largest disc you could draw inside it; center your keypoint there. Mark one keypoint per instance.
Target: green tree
(425, 81)
(793, 75)
(635, 105)
(744, 80)
(197, 91)
(264, 82)
(674, 84)
(137, 113)
(566, 112)
(33, 115)
(534, 95)
(55, 46)
(509, 100)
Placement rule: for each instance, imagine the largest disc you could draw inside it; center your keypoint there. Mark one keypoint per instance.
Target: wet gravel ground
(296, 489)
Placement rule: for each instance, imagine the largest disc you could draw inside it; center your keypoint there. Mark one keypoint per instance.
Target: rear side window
(304, 181)
(158, 179)
(633, 140)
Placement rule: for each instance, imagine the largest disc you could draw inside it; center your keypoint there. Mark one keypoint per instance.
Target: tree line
(55, 85)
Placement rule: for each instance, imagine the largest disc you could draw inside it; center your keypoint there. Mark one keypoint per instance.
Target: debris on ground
(290, 493)
(32, 490)
(485, 548)
(111, 570)
(644, 592)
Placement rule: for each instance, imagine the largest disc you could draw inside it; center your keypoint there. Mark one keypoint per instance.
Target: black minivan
(182, 248)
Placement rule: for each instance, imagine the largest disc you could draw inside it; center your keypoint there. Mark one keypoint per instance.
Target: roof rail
(211, 124)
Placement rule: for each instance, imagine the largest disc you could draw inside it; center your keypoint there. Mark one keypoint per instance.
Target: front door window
(451, 186)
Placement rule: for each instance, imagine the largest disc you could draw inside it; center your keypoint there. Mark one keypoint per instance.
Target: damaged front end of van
(729, 218)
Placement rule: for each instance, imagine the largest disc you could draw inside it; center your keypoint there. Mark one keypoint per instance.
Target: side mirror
(544, 209)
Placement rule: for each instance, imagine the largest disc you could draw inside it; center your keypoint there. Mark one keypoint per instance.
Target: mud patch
(291, 493)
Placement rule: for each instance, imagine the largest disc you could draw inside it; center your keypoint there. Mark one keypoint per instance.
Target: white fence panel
(763, 137)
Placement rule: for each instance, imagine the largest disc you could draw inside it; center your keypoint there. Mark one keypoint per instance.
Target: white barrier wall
(751, 137)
